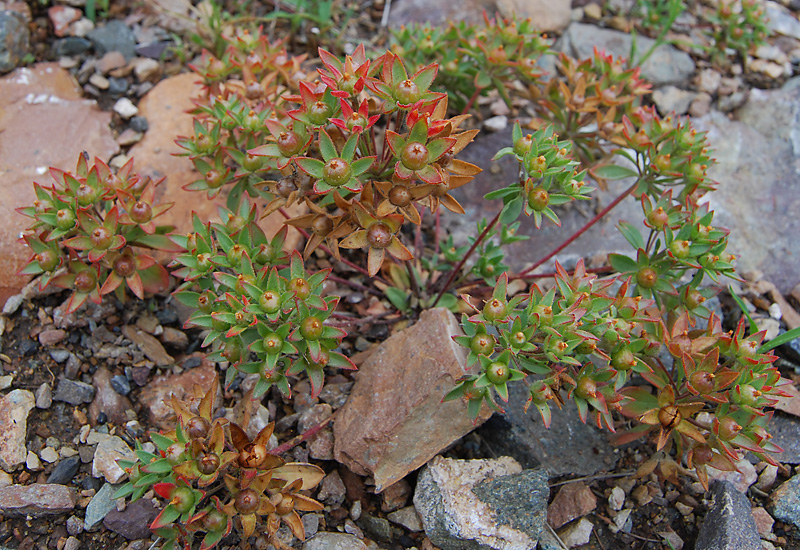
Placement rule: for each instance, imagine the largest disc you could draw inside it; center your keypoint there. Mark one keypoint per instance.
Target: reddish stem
(457, 269)
(468, 106)
(604, 269)
(308, 434)
(580, 231)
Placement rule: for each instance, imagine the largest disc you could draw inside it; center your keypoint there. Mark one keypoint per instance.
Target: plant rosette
(417, 157)
(336, 170)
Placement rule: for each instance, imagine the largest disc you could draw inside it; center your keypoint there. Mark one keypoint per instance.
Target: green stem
(457, 269)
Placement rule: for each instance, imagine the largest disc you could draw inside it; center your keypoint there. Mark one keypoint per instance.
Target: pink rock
(110, 61)
(574, 500)
(62, 17)
(51, 337)
(394, 420)
(764, 521)
(36, 500)
(156, 396)
(165, 108)
(43, 122)
(107, 400)
(14, 409)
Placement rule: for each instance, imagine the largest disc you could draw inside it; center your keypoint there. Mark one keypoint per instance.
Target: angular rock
(755, 148)
(42, 105)
(481, 504)
(14, 40)
(407, 517)
(14, 409)
(149, 345)
(742, 478)
(38, 499)
(670, 99)
(100, 506)
(165, 108)
(667, 65)
(155, 397)
(105, 459)
(785, 502)
(332, 490)
(74, 392)
(334, 541)
(573, 500)
(568, 446)
(729, 522)
(547, 15)
(134, 521)
(394, 420)
(107, 400)
(65, 470)
(781, 20)
(577, 534)
(114, 36)
(439, 13)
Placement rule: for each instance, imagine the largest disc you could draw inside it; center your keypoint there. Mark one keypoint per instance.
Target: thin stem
(604, 269)
(412, 276)
(295, 441)
(468, 106)
(457, 269)
(582, 230)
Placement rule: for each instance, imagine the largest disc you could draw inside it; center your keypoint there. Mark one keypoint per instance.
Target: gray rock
(44, 396)
(134, 521)
(59, 355)
(756, 148)
(74, 392)
(332, 490)
(100, 506)
(71, 45)
(481, 504)
(547, 15)
(785, 502)
(65, 470)
(669, 99)
(114, 36)
(667, 65)
(568, 447)
(731, 102)
(310, 524)
(407, 517)
(782, 21)
(139, 123)
(334, 541)
(38, 499)
(14, 40)
(108, 451)
(729, 522)
(14, 409)
(438, 13)
(120, 384)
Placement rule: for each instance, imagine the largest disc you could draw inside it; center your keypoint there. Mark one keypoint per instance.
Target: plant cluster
(92, 232)
(211, 475)
(731, 25)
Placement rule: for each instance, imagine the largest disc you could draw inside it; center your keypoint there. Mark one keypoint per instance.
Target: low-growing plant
(369, 148)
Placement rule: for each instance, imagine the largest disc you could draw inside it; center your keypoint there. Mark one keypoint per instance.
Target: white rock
(616, 499)
(5, 479)
(48, 454)
(14, 409)
(5, 381)
(145, 68)
(407, 517)
(741, 479)
(622, 521)
(775, 311)
(767, 477)
(577, 533)
(495, 123)
(772, 326)
(44, 396)
(32, 462)
(125, 108)
(105, 459)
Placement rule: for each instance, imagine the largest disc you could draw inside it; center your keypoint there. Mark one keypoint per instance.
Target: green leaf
(511, 210)
(743, 307)
(614, 172)
(631, 235)
(397, 297)
(787, 336)
(622, 264)
(161, 441)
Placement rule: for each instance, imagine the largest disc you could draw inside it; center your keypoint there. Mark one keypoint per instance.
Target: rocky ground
(78, 389)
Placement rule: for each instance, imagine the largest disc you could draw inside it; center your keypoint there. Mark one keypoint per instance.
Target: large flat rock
(44, 122)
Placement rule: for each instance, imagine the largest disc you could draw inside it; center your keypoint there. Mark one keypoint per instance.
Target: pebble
(700, 105)
(14, 40)
(764, 521)
(616, 499)
(117, 86)
(109, 62)
(59, 355)
(32, 462)
(134, 521)
(310, 524)
(407, 517)
(577, 533)
(14, 409)
(332, 490)
(65, 470)
(125, 108)
(100, 506)
(6, 381)
(334, 541)
(767, 477)
(5, 479)
(572, 501)
(495, 123)
(729, 522)
(74, 525)
(99, 81)
(48, 454)
(120, 384)
(74, 392)
(146, 69)
(37, 499)
(113, 36)
(105, 459)
(70, 46)
(731, 102)
(785, 502)
(708, 81)
(72, 544)
(139, 124)
(82, 27)
(52, 337)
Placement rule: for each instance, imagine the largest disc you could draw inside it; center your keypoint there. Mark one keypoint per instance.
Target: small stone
(146, 69)
(82, 27)
(593, 11)
(59, 355)
(36, 500)
(5, 381)
(407, 517)
(74, 525)
(51, 337)
(684, 509)
(105, 459)
(332, 490)
(109, 62)
(139, 124)
(573, 500)
(72, 544)
(785, 502)
(333, 541)
(395, 496)
(767, 477)
(48, 454)
(149, 345)
(616, 499)
(74, 392)
(71, 45)
(99, 81)
(310, 524)
(622, 521)
(125, 108)
(669, 99)
(763, 521)
(495, 123)
(378, 528)
(729, 522)
(5, 479)
(14, 409)
(772, 327)
(732, 101)
(700, 105)
(120, 384)
(134, 521)
(708, 81)
(32, 462)
(100, 506)
(14, 40)
(577, 534)
(65, 470)
(117, 86)
(174, 337)
(61, 17)
(114, 36)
